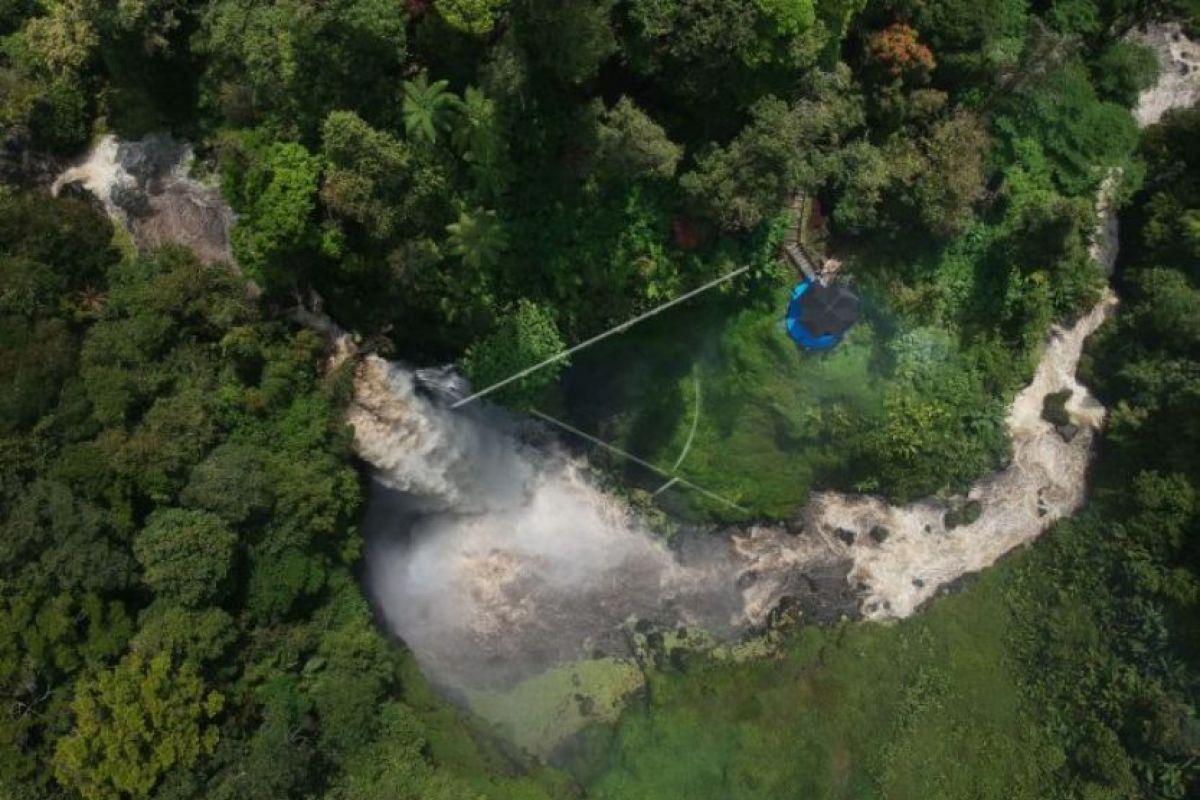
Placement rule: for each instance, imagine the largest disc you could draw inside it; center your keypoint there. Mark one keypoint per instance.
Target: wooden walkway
(792, 247)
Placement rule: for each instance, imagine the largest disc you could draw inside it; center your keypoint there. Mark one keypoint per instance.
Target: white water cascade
(514, 561)
(495, 558)
(146, 187)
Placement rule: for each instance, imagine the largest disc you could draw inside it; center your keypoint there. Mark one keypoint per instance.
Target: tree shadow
(631, 387)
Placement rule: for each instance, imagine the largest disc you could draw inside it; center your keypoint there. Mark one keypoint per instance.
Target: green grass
(481, 761)
(543, 713)
(927, 709)
(776, 422)
(769, 414)
(539, 713)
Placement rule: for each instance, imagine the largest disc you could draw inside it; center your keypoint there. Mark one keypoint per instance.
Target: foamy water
(146, 186)
(523, 562)
(495, 559)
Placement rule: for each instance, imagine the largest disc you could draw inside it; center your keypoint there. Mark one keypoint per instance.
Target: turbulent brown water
(495, 559)
(516, 561)
(493, 553)
(145, 185)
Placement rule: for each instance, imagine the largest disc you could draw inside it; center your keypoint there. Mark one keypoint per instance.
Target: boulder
(130, 199)
(151, 158)
(1054, 407)
(962, 514)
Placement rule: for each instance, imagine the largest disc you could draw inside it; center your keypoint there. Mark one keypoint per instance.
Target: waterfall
(497, 559)
(145, 186)
(494, 559)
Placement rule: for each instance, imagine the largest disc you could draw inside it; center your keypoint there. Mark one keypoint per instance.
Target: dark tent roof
(828, 309)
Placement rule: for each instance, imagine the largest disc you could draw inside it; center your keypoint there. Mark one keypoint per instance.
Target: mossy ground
(538, 714)
(768, 412)
(928, 708)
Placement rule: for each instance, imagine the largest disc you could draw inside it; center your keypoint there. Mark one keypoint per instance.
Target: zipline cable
(624, 326)
(674, 478)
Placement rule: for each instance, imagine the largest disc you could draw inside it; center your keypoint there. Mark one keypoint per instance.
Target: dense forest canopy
(1066, 671)
(484, 181)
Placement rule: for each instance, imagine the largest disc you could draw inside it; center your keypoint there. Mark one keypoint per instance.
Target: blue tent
(818, 315)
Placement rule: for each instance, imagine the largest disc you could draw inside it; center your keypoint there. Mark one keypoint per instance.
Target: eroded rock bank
(146, 186)
(1178, 84)
(488, 584)
(496, 558)
(902, 555)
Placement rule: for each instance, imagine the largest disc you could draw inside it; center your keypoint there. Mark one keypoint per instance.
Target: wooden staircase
(792, 247)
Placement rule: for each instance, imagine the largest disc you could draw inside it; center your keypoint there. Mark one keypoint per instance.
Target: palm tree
(427, 108)
(475, 132)
(477, 137)
(478, 238)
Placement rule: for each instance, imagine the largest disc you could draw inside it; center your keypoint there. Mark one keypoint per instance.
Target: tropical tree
(525, 335)
(630, 144)
(476, 17)
(478, 238)
(369, 176)
(274, 191)
(190, 636)
(954, 172)
(1083, 135)
(427, 108)
(289, 63)
(1123, 70)
(186, 554)
(134, 723)
(476, 131)
(64, 39)
(568, 40)
(781, 149)
(232, 482)
(479, 138)
(899, 52)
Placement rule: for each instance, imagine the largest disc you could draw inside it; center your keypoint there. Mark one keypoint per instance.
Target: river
(495, 556)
